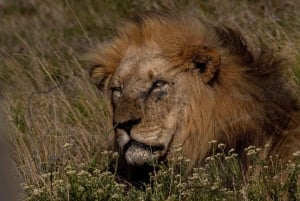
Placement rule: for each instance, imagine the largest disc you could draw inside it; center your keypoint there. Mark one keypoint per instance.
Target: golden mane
(255, 98)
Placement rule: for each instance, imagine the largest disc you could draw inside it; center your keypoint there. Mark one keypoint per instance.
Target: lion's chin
(138, 154)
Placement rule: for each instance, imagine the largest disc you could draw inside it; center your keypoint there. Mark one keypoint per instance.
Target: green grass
(50, 101)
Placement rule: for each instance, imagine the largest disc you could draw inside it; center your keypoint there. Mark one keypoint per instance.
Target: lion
(178, 80)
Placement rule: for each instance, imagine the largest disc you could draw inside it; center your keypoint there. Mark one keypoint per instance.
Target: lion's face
(153, 98)
(148, 105)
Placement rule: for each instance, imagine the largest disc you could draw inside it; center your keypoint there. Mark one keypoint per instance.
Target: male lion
(174, 80)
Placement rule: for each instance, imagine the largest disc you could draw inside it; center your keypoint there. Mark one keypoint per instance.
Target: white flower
(67, 145)
(81, 189)
(221, 146)
(115, 196)
(297, 154)
(71, 172)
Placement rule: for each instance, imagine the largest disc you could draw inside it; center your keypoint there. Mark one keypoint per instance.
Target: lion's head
(177, 80)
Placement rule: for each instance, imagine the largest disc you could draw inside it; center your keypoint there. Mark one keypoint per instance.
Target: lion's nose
(127, 125)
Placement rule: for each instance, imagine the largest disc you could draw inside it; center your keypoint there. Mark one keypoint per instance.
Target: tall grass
(49, 99)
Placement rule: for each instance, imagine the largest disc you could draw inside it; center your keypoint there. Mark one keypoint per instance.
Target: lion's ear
(207, 60)
(100, 76)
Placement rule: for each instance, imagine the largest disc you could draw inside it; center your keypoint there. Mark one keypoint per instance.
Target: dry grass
(47, 94)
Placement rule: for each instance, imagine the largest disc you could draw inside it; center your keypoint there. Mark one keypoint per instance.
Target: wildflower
(297, 154)
(221, 146)
(68, 167)
(179, 149)
(258, 149)
(228, 192)
(115, 155)
(36, 192)
(205, 181)
(251, 152)
(171, 169)
(201, 169)
(183, 193)
(96, 171)
(105, 174)
(55, 173)
(214, 187)
(46, 175)
(26, 187)
(83, 173)
(231, 150)
(100, 191)
(71, 172)
(81, 189)
(292, 165)
(219, 155)
(67, 145)
(208, 158)
(249, 148)
(234, 155)
(122, 185)
(170, 198)
(180, 158)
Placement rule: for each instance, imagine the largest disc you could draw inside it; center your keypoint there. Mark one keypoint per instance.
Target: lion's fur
(251, 99)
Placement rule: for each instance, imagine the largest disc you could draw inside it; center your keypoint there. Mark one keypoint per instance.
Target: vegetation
(220, 178)
(57, 120)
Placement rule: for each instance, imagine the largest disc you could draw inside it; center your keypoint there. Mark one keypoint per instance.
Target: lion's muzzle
(135, 152)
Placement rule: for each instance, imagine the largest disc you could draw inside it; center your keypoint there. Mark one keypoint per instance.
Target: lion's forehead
(140, 65)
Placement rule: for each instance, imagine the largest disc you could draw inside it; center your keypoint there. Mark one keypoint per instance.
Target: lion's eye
(158, 84)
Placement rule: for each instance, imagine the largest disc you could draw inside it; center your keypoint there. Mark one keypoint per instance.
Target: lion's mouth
(137, 153)
(149, 148)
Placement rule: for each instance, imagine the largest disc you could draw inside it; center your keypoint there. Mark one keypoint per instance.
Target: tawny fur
(244, 96)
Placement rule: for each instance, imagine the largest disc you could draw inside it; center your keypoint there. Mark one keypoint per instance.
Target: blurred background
(54, 114)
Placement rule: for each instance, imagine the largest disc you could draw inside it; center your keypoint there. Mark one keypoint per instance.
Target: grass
(57, 120)
(220, 178)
